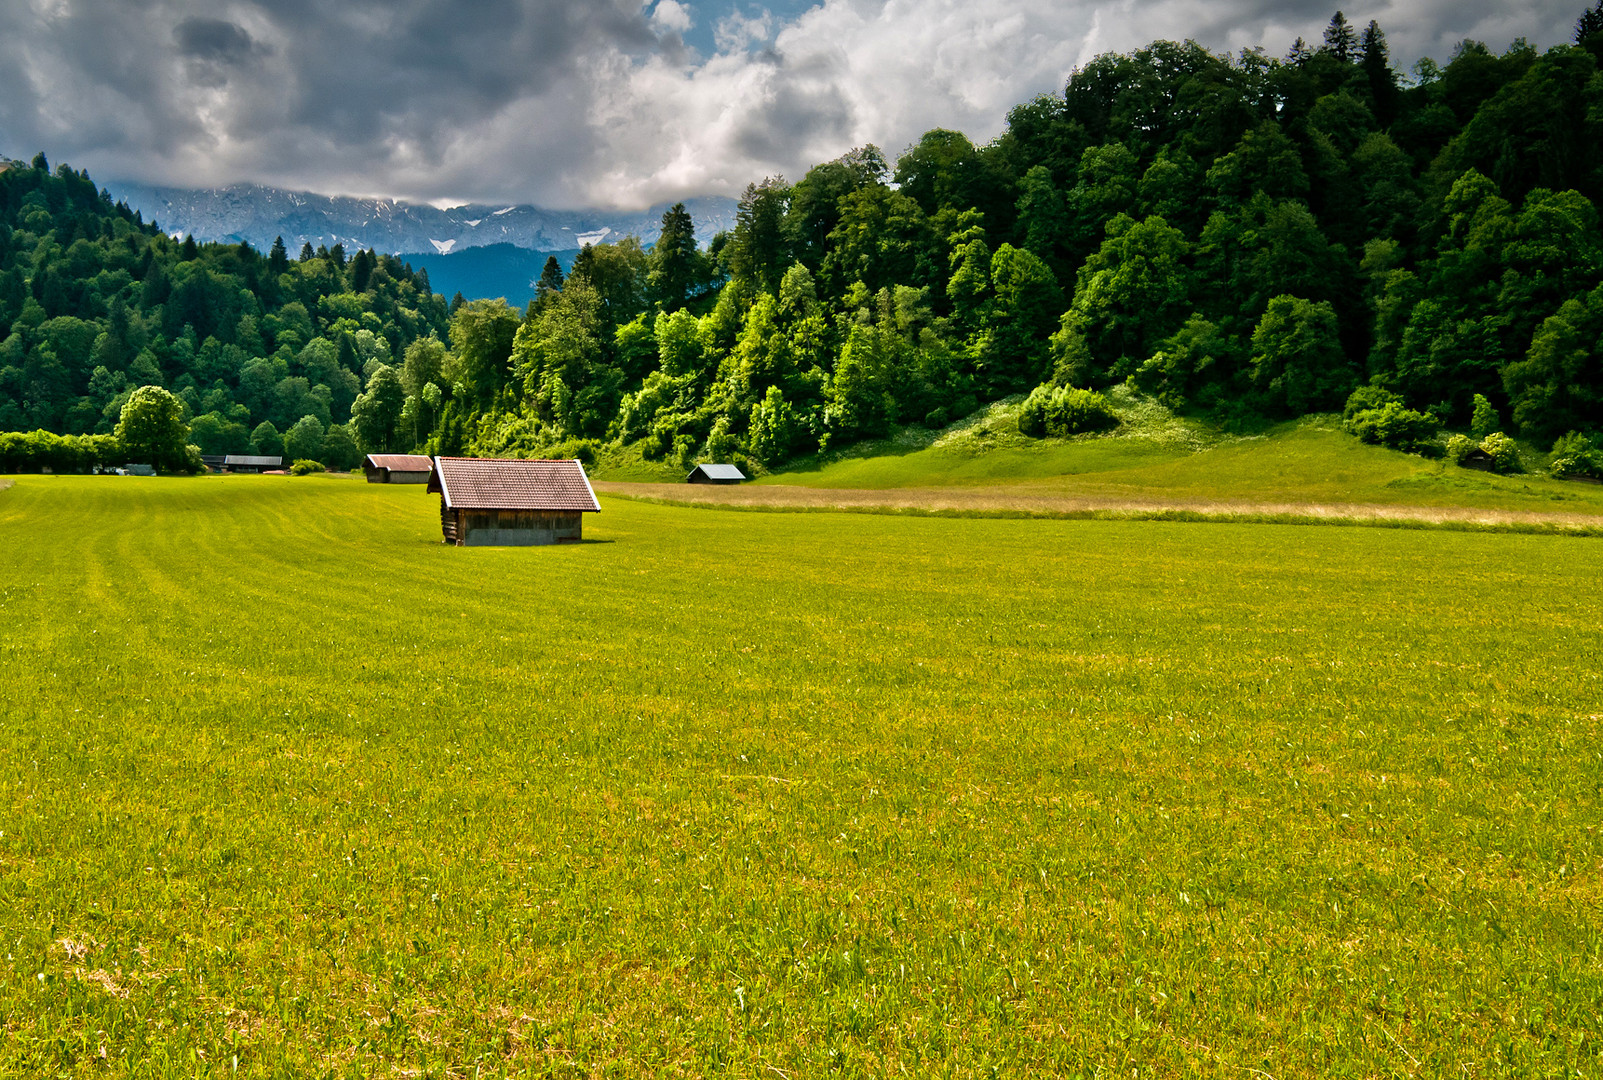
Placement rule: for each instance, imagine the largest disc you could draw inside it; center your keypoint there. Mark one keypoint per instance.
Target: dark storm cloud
(569, 102)
(801, 110)
(215, 40)
(413, 97)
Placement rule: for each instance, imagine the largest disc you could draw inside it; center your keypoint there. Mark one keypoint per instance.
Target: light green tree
(304, 440)
(377, 411)
(152, 429)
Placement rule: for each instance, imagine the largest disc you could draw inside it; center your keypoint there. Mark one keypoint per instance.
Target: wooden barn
(251, 463)
(715, 474)
(514, 502)
(398, 468)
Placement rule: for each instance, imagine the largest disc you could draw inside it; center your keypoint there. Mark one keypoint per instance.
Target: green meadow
(1157, 455)
(290, 789)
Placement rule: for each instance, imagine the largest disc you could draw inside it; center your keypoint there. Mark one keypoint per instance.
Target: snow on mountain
(256, 214)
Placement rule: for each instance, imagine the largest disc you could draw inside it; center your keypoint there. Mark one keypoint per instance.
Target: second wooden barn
(397, 468)
(506, 501)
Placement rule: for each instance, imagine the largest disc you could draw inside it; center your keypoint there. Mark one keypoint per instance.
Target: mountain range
(257, 214)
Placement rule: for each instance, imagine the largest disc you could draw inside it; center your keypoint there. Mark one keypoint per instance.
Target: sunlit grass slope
(1158, 456)
(291, 789)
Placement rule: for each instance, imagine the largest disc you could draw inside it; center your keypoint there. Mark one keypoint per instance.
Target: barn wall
(519, 528)
(408, 477)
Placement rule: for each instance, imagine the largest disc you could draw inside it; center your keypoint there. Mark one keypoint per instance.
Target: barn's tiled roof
(401, 462)
(510, 484)
(252, 459)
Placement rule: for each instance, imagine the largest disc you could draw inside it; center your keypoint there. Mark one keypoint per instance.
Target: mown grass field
(290, 789)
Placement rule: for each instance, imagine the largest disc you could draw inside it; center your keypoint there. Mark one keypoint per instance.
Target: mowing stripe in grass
(289, 782)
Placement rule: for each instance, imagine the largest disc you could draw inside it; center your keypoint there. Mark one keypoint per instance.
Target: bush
(584, 451)
(304, 467)
(35, 451)
(1394, 426)
(1504, 454)
(1576, 454)
(1460, 447)
(1064, 410)
(1366, 398)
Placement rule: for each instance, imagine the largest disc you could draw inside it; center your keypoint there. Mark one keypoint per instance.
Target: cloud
(215, 40)
(671, 17)
(591, 103)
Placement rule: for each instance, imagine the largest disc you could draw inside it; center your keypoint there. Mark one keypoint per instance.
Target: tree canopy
(1238, 234)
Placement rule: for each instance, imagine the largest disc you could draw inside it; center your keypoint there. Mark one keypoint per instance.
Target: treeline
(1242, 236)
(99, 302)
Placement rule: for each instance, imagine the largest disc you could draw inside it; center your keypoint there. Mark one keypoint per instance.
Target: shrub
(581, 450)
(1394, 426)
(34, 451)
(1366, 398)
(1064, 410)
(1504, 454)
(1576, 454)
(1459, 447)
(304, 467)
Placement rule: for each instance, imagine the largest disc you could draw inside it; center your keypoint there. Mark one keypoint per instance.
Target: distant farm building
(486, 501)
(715, 474)
(398, 468)
(213, 462)
(251, 463)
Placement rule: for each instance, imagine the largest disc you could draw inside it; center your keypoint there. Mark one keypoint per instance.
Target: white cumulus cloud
(669, 16)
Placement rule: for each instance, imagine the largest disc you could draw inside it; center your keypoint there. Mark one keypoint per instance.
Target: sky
(605, 103)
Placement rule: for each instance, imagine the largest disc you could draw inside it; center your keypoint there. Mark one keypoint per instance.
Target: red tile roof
(401, 462)
(512, 484)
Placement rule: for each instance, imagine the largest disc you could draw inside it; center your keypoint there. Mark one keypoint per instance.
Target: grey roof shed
(715, 474)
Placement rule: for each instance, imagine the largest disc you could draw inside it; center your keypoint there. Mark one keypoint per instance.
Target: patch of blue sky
(711, 26)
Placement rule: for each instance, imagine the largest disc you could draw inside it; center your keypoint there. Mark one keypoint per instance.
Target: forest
(1243, 237)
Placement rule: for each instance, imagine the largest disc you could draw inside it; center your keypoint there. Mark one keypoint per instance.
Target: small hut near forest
(505, 501)
(398, 468)
(715, 474)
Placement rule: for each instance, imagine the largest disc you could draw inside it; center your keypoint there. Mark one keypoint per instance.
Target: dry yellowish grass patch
(1016, 500)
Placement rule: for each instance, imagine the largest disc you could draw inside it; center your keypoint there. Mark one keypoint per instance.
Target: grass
(293, 790)
(1155, 456)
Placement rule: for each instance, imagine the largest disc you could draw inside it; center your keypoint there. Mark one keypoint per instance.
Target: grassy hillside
(292, 789)
(1155, 454)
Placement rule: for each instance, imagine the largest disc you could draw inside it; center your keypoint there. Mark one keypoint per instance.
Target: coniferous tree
(674, 259)
(1590, 22)
(758, 253)
(361, 271)
(1299, 54)
(550, 280)
(1375, 58)
(1340, 39)
(307, 254)
(278, 258)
